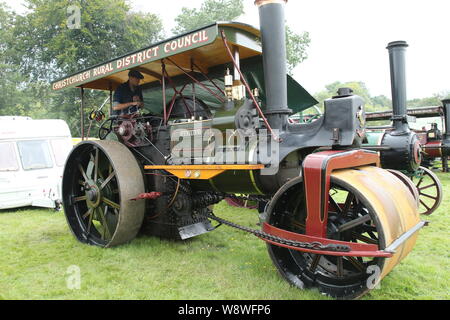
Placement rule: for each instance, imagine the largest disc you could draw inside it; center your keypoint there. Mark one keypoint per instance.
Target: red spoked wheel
(240, 203)
(429, 188)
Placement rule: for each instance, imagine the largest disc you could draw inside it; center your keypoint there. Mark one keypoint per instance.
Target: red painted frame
(317, 169)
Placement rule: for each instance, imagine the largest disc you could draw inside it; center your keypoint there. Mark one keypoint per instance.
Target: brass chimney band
(264, 2)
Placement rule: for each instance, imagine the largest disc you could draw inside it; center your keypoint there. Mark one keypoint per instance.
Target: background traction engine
(335, 220)
(399, 147)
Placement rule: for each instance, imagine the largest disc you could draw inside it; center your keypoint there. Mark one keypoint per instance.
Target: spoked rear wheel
(100, 178)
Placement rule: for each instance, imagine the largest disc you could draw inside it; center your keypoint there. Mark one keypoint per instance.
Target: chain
(267, 236)
(248, 197)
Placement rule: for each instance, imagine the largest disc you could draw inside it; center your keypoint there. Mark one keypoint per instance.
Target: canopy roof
(204, 46)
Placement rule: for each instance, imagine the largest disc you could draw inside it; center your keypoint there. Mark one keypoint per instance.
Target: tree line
(376, 103)
(38, 47)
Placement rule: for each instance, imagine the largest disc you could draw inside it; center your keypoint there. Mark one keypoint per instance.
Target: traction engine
(333, 217)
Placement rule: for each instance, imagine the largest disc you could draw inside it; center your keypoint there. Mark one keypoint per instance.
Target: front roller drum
(100, 179)
(366, 205)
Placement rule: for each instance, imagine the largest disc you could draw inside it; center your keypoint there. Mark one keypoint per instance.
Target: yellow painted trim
(202, 171)
(206, 166)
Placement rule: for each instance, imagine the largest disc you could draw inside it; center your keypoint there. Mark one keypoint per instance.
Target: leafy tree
(435, 100)
(209, 12)
(359, 88)
(11, 99)
(108, 29)
(47, 49)
(227, 10)
(382, 102)
(296, 46)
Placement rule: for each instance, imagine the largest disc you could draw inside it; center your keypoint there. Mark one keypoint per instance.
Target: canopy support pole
(82, 114)
(196, 81)
(110, 99)
(249, 91)
(163, 67)
(193, 83)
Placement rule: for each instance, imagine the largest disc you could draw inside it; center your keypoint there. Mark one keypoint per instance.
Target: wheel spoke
(96, 164)
(372, 235)
(428, 196)
(83, 173)
(299, 225)
(111, 203)
(420, 181)
(89, 212)
(111, 175)
(354, 223)
(364, 238)
(314, 263)
(106, 231)
(423, 203)
(358, 265)
(334, 203)
(340, 267)
(80, 198)
(426, 187)
(348, 202)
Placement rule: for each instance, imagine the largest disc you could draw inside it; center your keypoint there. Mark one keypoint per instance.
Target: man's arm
(118, 103)
(120, 106)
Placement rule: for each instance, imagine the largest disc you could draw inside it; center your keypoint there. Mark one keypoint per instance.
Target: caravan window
(61, 149)
(8, 159)
(35, 154)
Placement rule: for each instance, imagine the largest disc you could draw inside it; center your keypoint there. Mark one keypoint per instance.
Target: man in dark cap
(128, 96)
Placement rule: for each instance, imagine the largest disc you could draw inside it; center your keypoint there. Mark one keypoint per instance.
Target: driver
(128, 96)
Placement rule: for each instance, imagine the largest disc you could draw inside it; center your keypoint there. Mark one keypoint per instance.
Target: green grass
(37, 248)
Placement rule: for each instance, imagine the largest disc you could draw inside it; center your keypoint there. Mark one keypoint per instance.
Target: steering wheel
(105, 128)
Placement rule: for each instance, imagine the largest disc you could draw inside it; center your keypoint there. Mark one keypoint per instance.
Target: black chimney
(272, 25)
(397, 50)
(446, 105)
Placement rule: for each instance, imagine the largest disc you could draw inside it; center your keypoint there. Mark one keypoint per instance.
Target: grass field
(37, 251)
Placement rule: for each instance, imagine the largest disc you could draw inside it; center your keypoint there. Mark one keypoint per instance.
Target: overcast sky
(349, 37)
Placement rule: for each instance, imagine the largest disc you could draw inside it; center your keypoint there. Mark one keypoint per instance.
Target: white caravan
(32, 157)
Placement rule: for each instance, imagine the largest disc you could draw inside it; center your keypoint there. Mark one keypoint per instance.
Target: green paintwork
(373, 137)
(298, 98)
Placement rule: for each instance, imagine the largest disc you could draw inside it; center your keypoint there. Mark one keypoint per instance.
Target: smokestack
(397, 50)
(446, 104)
(272, 25)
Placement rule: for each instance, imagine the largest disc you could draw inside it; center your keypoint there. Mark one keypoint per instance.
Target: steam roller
(332, 219)
(366, 205)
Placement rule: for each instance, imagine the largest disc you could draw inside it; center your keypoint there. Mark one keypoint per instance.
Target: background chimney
(397, 50)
